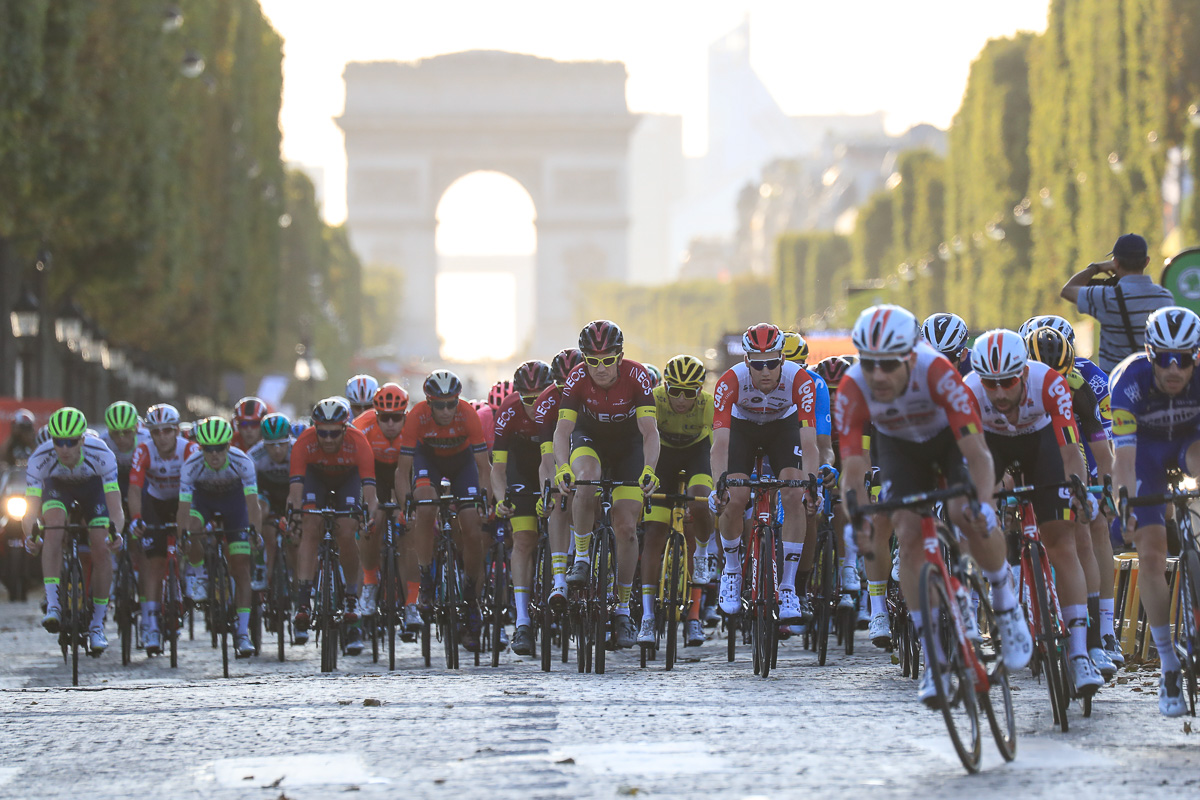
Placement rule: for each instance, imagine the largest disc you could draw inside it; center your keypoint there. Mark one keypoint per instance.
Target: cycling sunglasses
(443, 405)
(769, 364)
(529, 399)
(679, 391)
(214, 448)
(1167, 358)
(326, 434)
(1000, 383)
(66, 442)
(601, 361)
(389, 417)
(886, 365)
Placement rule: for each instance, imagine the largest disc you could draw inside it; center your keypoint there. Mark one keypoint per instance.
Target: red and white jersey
(934, 399)
(1047, 401)
(158, 476)
(737, 397)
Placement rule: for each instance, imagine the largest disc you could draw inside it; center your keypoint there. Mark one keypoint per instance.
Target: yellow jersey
(683, 430)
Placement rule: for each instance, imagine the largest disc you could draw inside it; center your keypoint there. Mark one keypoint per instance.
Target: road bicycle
(673, 579)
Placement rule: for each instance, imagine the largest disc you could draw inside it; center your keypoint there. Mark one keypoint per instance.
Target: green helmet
(67, 423)
(121, 416)
(213, 431)
(276, 428)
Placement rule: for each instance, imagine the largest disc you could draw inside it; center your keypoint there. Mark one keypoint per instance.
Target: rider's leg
(626, 513)
(101, 572)
(55, 517)
(584, 504)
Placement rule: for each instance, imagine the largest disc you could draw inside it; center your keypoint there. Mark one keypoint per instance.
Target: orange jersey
(464, 431)
(354, 452)
(386, 450)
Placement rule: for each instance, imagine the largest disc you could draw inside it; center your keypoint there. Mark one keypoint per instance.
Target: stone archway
(560, 129)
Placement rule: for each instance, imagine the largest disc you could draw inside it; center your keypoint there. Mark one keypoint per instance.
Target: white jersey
(125, 458)
(158, 475)
(1047, 398)
(736, 396)
(95, 461)
(237, 473)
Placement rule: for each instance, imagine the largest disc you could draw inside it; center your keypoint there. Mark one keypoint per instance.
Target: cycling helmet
(1173, 328)
(1049, 346)
(360, 390)
(600, 336)
(43, 436)
(276, 427)
(249, 409)
(499, 391)
(162, 415)
(532, 376)
(999, 354)
(762, 338)
(562, 364)
(442, 383)
(684, 372)
(390, 398)
(795, 348)
(23, 418)
(655, 374)
(885, 330)
(213, 431)
(67, 423)
(188, 431)
(121, 416)
(299, 427)
(330, 410)
(947, 333)
(1048, 321)
(832, 369)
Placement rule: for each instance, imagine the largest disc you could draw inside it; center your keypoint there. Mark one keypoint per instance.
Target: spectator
(1121, 306)
(20, 444)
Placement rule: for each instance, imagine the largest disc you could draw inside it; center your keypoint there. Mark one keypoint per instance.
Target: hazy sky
(909, 59)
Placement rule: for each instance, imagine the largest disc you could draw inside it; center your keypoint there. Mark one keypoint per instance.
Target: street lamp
(26, 321)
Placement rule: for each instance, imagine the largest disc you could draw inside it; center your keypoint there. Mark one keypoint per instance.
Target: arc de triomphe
(561, 129)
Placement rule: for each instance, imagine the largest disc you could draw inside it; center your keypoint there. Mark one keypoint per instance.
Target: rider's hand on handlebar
(564, 477)
(648, 480)
(505, 508)
(829, 475)
(717, 501)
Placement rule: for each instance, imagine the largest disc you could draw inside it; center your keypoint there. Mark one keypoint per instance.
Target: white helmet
(360, 390)
(331, 409)
(947, 333)
(999, 354)
(1048, 321)
(162, 415)
(442, 383)
(1173, 328)
(885, 330)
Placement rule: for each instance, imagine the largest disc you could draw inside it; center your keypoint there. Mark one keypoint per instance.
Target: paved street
(274, 730)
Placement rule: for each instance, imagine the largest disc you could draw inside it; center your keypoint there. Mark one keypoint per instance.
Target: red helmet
(499, 391)
(532, 376)
(762, 338)
(249, 409)
(832, 369)
(564, 362)
(390, 397)
(601, 336)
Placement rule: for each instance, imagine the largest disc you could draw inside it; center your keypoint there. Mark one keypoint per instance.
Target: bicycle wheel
(1048, 644)
(823, 566)
(676, 556)
(388, 606)
(281, 607)
(542, 585)
(600, 615)
(449, 612)
(123, 611)
(76, 624)
(955, 690)
(326, 628)
(256, 621)
(1001, 718)
(1187, 621)
(764, 618)
(582, 626)
(171, 614)
(220, 606)
(499, 598)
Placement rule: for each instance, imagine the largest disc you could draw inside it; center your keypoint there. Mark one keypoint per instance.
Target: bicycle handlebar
(857, 512)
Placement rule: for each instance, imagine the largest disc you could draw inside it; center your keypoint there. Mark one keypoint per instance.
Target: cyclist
(947, 333)
(515, 462)
(248, 414)
(381, 424)
(70, 468)
(360, 391)
(1156, 427)
(606, 422)
(926, 427)
(443, 438)
(684, 413)
(1028, 421)
(122, 435)
(22, 441)
(272, 465)
(331, 465)
(765, 403)
(655, 374)
(154, 500)
(220, 479)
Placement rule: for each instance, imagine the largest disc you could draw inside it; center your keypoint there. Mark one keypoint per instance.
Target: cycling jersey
(271, 474)
(1098, 380)
(198, 477)
(1141, 411)
(1046, 402)
(421, 430)
(545, 416)
(156, 475)
(124, 458)
(1087, 409)
(611, 411)
(677, 430)
(95, 461)
(514, 427)
(354, 453)
(824, 418)
(386, 450)
(736, 397)
(933, 399)
(487, 423)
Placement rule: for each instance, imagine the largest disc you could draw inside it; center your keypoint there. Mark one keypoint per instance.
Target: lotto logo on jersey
(1058, 390)
(841, 415)
(808, 397)
(1124, 422)
(951, 387)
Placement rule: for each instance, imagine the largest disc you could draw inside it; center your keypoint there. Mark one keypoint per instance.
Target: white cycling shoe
(880, 631)
(1171, 702)
(730, 595)
(1015, 638)
(1085, 675)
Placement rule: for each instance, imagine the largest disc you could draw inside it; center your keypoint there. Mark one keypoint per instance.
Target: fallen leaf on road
(572, 761)
(371, 701)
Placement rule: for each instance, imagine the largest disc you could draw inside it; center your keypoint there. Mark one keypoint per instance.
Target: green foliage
(809, 270)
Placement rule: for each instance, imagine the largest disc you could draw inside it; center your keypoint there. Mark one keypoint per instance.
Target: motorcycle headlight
(15, 507)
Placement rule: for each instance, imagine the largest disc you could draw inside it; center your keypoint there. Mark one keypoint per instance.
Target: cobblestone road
(709, 728)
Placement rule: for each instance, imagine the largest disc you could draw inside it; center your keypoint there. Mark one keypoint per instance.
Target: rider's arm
(297, 467)
(403, 481)
(371, 498)
(720, 451)
(854, 477)
(648, 425)
(1125, 469)
(137, 479)
(979, 462)
(499, 474)
(562, 435)
(810, 455)
(825, 447)
(254, 511)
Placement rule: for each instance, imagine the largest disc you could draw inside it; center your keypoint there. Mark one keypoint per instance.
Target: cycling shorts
(778, 439)
(385, 481)
(1154, 458)
(620, 458)
(89, 494)
(522, 472)
(340, 492)
(157, 512)
(694, 461)
(231, 505)
(1038, 461)
(429, 469)
(275, 496)
(908, 467)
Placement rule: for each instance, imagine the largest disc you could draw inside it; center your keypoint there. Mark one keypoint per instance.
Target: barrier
(1129, 618)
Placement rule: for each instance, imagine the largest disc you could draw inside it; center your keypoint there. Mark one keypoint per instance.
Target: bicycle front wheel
(676, 556)
(826, 600)
(1049, 642)
(1187, 623)
(75, 616)
(600, 611)
(764, 612)
(996, 697)
(944, 644)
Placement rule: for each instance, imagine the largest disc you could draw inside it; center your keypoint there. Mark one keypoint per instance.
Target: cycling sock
(304, 594)
(701, 548)
(1093, 621)
(732, 554)
(624, 590)
(1165, 647)
(851, 544)
(521, 599)
(149, 617)
(649, 590)
(918, 621)
(1076, 619)
(1108, 606)
(51, 586)
(370, 577)
(412, 592)
(878, 592)
(694, 608)
(141, 599)
(583, 547)
(243, 621)
(791, 563)
(558, 568)
(99, 609)
(1003, 598)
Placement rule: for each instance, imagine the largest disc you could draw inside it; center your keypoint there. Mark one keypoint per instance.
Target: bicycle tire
(934, 597)
(600, 613)
(676, 554)
(582, 626)
(220, 606)
(499, 599)
(426, 646)
(542, 585)
(1048, 644)
(256, 622)
(281, 609)
(765, 623)
(123, 608)
(75, 626)
(826, 590)
(386, 610)
(449, 611)
(325, 628)
(1005, 735)
(1187, 627)
(171, 615)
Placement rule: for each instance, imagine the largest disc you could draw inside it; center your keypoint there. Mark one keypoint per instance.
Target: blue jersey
(824, 419)
(1141, 411)
(1098, 380)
